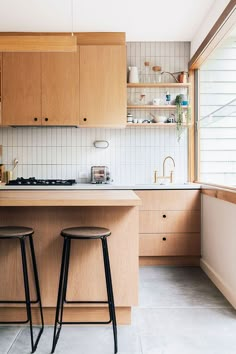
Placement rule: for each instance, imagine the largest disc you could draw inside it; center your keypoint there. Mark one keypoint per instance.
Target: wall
(134, 153)
(219, 244)
(208, 22)
(217, 90)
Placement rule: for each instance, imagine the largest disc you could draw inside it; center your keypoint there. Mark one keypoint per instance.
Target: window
(217, 115)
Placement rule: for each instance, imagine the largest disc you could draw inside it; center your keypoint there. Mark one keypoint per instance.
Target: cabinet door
(1, 87)
(170, 244)
(170, 199)
(103, 86)
(60, 88)
(21, 89)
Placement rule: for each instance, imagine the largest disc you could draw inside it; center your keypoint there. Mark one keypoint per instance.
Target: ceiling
(147, 20)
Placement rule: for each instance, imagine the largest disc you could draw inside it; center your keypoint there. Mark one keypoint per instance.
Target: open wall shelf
(159, 84)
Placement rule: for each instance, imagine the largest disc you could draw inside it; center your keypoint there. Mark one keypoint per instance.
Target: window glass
(217, 115)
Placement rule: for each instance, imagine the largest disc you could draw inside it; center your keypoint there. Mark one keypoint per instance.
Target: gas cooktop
(32, 181)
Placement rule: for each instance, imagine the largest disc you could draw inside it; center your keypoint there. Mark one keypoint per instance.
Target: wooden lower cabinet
(169, 221)
(169, 227)
(169, 244)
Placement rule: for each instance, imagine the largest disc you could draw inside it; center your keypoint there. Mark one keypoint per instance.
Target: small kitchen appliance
(100, 174)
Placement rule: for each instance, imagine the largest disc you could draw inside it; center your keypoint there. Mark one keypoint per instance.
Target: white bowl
(161, 119)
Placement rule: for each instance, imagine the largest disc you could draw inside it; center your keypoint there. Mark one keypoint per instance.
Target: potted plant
(181, 115)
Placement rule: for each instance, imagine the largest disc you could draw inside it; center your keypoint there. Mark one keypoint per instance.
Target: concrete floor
(180, 312)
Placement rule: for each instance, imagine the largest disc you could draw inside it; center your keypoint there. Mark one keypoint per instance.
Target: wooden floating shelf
(156, 125)
(154, 107)
(160, 84)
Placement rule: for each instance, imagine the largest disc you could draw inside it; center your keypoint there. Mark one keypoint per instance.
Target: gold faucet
(170, 177)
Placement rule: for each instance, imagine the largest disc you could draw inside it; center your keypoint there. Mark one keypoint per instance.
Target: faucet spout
(164, 162)
(170, 177)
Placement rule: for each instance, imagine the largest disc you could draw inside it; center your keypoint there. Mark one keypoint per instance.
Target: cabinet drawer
(170, 200)
(169, 244)
(169, 221)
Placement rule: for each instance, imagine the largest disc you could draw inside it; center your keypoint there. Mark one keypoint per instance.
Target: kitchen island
(49, 211)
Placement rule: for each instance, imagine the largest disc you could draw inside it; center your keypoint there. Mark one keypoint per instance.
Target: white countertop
(90, 186)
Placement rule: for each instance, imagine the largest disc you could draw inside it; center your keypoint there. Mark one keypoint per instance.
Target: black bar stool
(83, 233)
(22, 233)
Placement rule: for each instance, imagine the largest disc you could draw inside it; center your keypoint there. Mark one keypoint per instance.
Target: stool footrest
(83, 323)
(86, 302)
(18, 302)
(14, 322)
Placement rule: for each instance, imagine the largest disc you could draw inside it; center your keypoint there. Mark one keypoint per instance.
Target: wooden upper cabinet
(86, 88)
(21, 89)
(40, 88)
(103, 85)
(0, 87)
(60, 88)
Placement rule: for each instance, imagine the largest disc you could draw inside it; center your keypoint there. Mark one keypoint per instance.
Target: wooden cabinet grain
(21, 89)
(169, 223)
(86, 88)
(103, 86)
(40, 89)
(60, 88)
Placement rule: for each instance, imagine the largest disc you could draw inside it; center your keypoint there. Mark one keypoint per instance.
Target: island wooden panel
(68, 198)
(86, 278)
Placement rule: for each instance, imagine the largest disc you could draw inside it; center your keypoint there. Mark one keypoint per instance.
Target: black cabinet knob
(85, 119)
(35, 119)
(164, 238)
(164, 216)
(46, 119)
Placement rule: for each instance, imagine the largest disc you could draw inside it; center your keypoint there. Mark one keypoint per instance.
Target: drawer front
(170, 200)
(169, 244)
(169, 221)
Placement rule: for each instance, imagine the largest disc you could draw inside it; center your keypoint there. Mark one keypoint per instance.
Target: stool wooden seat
(82, 233)
(15, 231)
(22, 233)
(86, 232)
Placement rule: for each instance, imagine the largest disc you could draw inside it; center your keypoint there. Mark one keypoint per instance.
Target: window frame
(223, 26)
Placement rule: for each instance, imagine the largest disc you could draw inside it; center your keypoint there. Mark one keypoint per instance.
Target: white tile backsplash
(132, 156)
(133, 153)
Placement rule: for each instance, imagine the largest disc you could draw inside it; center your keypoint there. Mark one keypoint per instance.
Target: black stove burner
(32, 181)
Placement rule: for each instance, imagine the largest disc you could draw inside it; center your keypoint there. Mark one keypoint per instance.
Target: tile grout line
(140, 342)
(15, 339)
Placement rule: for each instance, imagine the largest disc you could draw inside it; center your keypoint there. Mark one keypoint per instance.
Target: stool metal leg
(27, 295)
(36, 278)
(61, 292)
(67, 260)
(61, 297)
(27, 300)
(110, 291)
